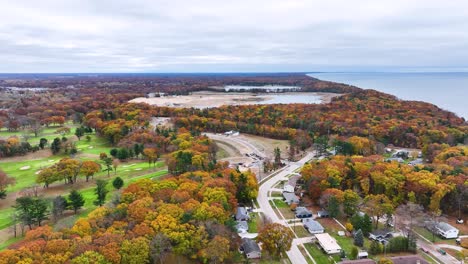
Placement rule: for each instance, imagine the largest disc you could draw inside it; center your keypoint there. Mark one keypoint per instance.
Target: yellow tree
(276, 238)
(89, 168)
(151, 155)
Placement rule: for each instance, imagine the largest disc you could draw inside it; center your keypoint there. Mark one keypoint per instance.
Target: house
(380, 234)
(445, 230)
(328, 243)
(290, 198)
(322, 214)
(313, 226)
(242, 214)
(412, 259)
(242, 226)
(302, 212)
(251, 248)
(291, 185)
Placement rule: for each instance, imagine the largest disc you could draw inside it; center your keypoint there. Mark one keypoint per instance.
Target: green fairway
(5, 217)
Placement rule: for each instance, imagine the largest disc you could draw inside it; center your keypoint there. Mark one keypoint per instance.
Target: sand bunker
(25, 168)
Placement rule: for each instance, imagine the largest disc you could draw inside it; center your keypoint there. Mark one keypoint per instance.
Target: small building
(242, 226)
(412, 259)
(323, 213)
(328, 243)
(302, 212)
(380, 234)
(242, 214)
(446, 231)
(251, 248)
(313, 226)
(362, 254)
(290, 198)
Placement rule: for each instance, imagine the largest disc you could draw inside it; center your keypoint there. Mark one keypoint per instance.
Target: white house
(446, 231)
(328, 243)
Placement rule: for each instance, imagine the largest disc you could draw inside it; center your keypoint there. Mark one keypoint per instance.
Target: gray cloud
(213, 35)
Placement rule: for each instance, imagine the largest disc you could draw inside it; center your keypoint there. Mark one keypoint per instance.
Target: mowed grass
(26, 177)
(316, 253)
(5, 217)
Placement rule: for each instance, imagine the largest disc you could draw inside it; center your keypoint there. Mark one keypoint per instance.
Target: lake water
(449, 91)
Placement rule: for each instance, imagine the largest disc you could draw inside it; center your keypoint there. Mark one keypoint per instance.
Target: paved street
(294, 253)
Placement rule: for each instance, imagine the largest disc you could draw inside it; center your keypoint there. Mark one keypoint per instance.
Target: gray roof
(249, 245)
(242, 213)
(313, 225)
(293, 180)
(303, 211)
(322, 212)
(291, 197)
(445, 227)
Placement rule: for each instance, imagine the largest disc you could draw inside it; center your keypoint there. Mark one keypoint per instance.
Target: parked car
(425, 250)
(441, 251)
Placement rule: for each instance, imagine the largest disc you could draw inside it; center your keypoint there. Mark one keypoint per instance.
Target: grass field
(317, 253)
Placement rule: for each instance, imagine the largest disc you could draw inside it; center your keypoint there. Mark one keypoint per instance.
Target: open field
(205, 99)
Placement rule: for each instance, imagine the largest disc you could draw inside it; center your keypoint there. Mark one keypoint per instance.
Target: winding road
(294, 254)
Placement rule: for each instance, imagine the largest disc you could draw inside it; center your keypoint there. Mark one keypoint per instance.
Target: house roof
(241, 213)
(327, 242)
(313, 225)
(249, 245)
(302, 211)
(293, 180)
(413, 259)
(290, 197)
(322, 212)
(445, 227)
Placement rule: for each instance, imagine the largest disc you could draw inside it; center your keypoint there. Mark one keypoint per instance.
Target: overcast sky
(232, 36)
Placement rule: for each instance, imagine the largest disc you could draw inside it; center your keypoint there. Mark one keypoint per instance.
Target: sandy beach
(206, 99)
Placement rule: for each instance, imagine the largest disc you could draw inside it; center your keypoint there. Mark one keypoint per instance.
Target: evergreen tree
(101, 192)
(358, 238)
(354, 252)
(76, 200)
(118, 183)
(55, 146)
(31, 210)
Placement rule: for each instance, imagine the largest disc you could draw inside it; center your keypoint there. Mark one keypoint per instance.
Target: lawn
(9, 242)
(254, 223)
(317, 253)
(346, 243)
(280, 203)
(5, 219)
(433, 238)
(300, 231)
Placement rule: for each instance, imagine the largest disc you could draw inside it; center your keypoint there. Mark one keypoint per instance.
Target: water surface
(448, 91)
